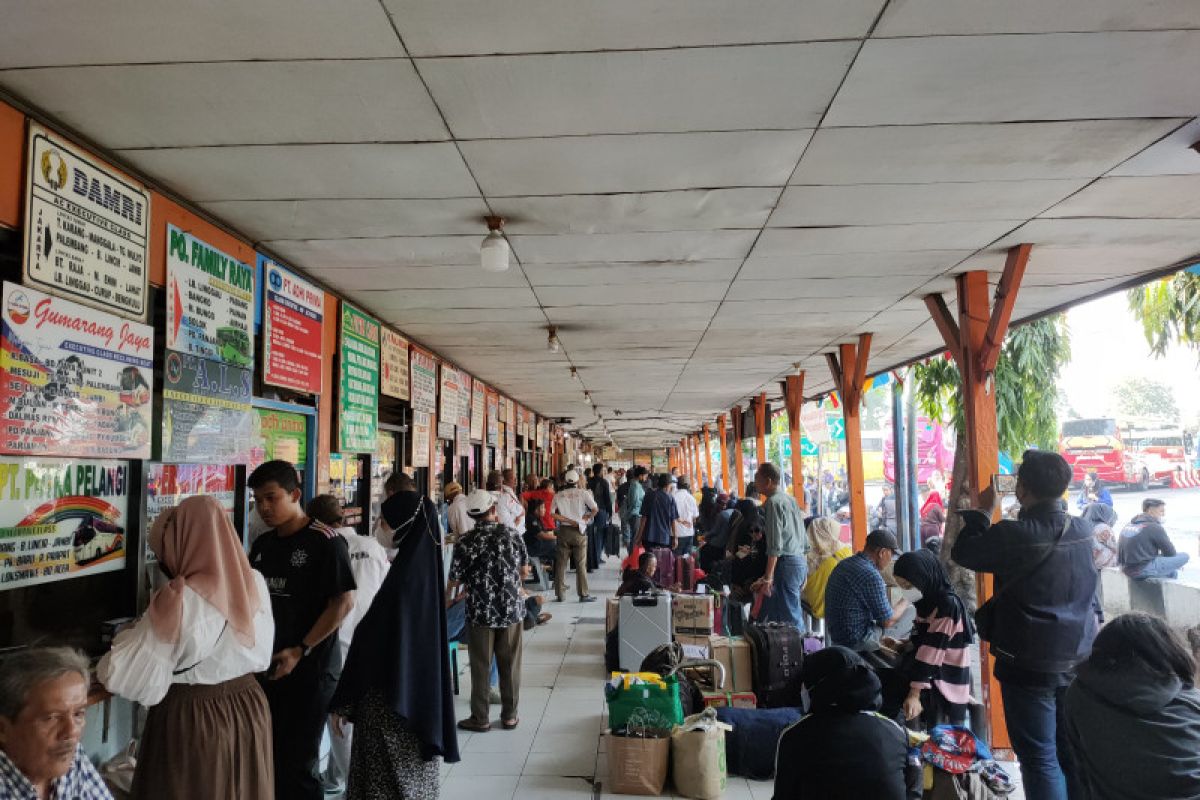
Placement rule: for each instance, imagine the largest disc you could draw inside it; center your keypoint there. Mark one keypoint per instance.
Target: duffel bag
(750, 747)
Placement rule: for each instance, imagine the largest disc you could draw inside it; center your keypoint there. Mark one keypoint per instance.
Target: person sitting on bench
(641, 580)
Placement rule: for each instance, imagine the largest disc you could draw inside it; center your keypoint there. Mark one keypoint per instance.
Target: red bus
(1135, 454)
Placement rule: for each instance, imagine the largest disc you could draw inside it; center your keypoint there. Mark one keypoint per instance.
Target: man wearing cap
(490, 560)
(857, 610)
(573, 508)
(458, 520)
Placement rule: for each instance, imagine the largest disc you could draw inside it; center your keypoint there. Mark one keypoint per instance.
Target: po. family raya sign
(73, 380)
(210, 299)
(61, 519)
(292, 318)
(86, 228)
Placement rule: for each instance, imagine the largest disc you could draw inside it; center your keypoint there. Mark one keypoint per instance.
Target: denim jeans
(1163, 567)
(784, 603)
(1037, 729)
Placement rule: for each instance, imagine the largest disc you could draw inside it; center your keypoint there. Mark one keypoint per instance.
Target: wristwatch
(304, 649)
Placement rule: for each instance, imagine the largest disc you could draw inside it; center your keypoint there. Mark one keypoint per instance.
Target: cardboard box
(612, 613)
(722, 700)
(692, 613)
(734, 654)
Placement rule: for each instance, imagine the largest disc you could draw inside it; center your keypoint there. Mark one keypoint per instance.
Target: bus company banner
(280, 435)
(291, 330)
(423, 380)
(207, 418)
(450, 396)
(61, 518)
(421, 423)
(478, 410)
(210, 298)
(168, 485)
(393, 364)
(73, 380)
(86, 228)
(464, 400)
(358, 400)
(493, 419)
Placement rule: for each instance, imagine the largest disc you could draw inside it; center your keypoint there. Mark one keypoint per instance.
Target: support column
(738, 468)
(760, 428)
(793, 397)
(726, 486)
(694, 445)
(974, 343)
(849, 369)
(708, 472)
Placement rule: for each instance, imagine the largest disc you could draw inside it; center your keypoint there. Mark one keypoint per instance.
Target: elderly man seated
(43, 701)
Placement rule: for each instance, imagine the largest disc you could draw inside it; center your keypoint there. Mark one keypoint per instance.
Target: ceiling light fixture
(587, 398)
(575, 374)
(552, 339)
(493, 253)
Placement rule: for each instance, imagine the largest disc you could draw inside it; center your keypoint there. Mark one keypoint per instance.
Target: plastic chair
(454, 665)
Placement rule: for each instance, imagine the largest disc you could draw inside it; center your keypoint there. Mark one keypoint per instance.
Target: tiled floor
(558, 752)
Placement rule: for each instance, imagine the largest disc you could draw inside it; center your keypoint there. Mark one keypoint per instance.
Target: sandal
(510, 724)
(542, 619)
(470, 725)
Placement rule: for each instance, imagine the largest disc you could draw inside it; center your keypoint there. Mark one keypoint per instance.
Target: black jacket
(1044, 623)
(602, 494)
(1143, 540)
(1135, 735)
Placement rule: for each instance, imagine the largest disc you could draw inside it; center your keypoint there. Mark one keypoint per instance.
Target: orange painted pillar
(738, 468)
(708, 472)
(793, 396)
(695, 482)
(760, 428)
(849, 370)
(723, 434)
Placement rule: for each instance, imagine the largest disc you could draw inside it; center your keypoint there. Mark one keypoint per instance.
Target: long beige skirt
(207, 743)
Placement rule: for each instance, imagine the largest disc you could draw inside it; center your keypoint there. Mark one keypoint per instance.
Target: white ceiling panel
(458, 27)
(389, 300)
(1172, 155)
(1008, 78)
(1162, 196)
(615, 247)
(813, 289)
(638, 91)
(664, 273)
(617, 316)
(289, 172)
(945, 153)
(442, 277)
(644, 163)
(69, 32)
(851, 265)
(699, 209)
(348, 219)
(917, 202)
(412, 251)
(530, 313)
(1180, 236)
(201, 105)
(1077, 262)
(619, 293)
(881, 238)
(968, 17)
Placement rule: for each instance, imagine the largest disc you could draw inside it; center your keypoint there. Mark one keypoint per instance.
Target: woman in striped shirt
(937, 661)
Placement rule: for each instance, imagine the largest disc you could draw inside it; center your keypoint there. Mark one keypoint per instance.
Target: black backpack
(666, 659)
(777, 656)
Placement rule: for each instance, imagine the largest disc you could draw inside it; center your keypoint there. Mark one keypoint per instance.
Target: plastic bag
(647, 705)
(698, 756)
(637, 761)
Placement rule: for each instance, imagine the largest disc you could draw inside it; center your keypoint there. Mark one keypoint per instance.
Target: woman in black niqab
(395, 685)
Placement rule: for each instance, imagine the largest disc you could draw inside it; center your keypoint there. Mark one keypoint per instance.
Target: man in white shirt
(459, 520)
(574, 508)
(369, 564)
(685, 503)
(510, 511)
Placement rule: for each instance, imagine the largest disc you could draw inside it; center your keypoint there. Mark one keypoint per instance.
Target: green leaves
(1169, 310)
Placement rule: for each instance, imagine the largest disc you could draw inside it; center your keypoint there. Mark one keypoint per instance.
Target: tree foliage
(1143, 397)
(1169, 310)
(1026, 388)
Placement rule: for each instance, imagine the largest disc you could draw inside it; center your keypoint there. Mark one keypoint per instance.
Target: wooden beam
(793, 396)
(723, 435)
(760, 428)
(739, 472)
(1002, 309)
(944, 320)
(852, 365)
(708, 470)
(835, 370)
(860, 361)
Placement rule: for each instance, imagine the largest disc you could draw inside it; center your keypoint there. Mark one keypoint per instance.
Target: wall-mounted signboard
(493, 419)
(393, 365)
(61, 518)
(207, 418)
(450, 395)
(421, 423)
(73, 380)
(210, 297)
(423, 380)
(292, 322)
(358, 400)
(86, 228)
(478, 411)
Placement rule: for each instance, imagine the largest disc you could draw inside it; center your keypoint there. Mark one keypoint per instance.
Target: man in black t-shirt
(307, 569)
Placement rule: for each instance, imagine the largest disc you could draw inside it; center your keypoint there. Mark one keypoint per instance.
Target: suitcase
(644, 624)
(777, 655)
(750, 747)
(664, 575)
(685, 573)
(612, 540)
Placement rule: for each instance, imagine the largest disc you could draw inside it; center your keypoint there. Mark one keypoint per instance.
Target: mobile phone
(1004, 484)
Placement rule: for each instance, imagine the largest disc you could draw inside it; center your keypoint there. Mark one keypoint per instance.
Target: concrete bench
(1177, 603)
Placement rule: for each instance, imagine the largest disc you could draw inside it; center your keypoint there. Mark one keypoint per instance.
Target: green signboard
(358, 398)
(283, 435)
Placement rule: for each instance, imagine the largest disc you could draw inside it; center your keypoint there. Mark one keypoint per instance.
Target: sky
(1107, 346)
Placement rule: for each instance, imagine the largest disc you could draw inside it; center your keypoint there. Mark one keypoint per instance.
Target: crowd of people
(250, 657)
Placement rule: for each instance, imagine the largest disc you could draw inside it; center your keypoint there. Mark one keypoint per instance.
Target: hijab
(923, 570)
(824, 534)
(932, 523)
(837, 679)
(1099, 514)
(751, 517)
(400, 650)
(196, 544)
(407, 511)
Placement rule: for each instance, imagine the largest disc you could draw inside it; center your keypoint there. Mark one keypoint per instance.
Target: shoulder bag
(985, 615)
